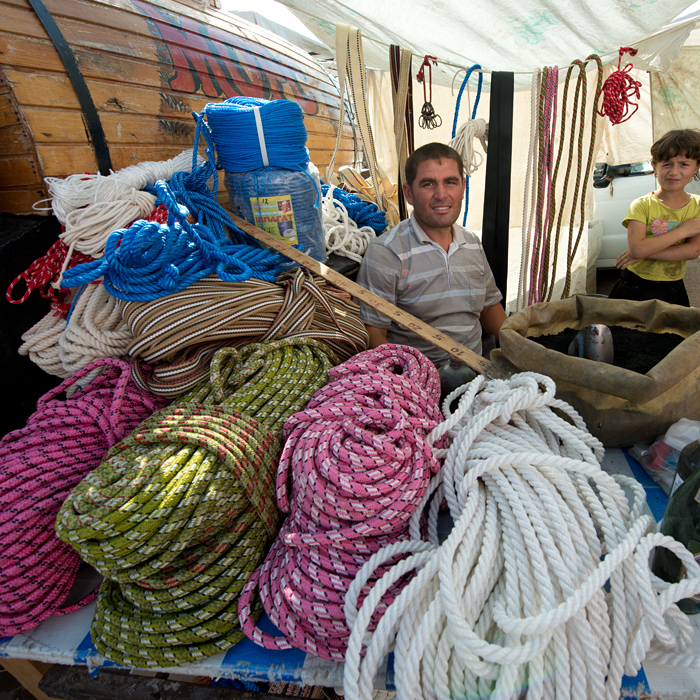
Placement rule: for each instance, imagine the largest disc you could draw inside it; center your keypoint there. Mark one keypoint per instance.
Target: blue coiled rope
(362, 213)
(235, 133)
(476, 66)
(149, 260)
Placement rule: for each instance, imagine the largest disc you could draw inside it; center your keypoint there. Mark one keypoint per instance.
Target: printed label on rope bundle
(276, 216)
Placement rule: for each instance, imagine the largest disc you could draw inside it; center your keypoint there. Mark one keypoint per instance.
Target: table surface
(66, 640)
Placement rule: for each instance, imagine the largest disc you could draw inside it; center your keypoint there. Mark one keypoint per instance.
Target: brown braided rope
(579, 121)
(181, 332)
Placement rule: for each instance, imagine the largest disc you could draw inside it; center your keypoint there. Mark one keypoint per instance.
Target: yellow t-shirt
(660, 219)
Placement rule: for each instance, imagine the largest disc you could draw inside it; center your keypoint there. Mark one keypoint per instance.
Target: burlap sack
(620, 407)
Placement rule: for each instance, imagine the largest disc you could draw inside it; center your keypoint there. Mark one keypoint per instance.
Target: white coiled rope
(82, 190)
(463, 143)
(515, 598)
(343, 236)
(88, 229)
(95, 329)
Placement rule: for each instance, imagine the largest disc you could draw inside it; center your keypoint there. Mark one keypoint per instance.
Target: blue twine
(235, 133)
(149, 260)
(476, 66)
(361, 212)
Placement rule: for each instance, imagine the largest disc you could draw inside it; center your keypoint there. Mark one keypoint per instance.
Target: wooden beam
(425, 331)
(28, 674)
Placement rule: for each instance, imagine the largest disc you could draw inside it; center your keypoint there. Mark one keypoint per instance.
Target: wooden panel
(28, 673)
(54, 90)
(18, 170)
(8, 115)
(15, 200)
(14, 141)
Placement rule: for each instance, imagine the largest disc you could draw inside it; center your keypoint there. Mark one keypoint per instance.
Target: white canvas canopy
(506, 35)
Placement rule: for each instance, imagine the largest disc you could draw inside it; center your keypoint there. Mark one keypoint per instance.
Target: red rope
(619, 90)
(43, 273)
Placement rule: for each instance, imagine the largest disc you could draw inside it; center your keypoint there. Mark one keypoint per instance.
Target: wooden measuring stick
(427, 332)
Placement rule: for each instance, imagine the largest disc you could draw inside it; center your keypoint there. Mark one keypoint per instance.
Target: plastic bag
(662, 460)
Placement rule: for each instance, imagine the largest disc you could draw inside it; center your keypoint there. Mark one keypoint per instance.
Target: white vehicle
(615, 187)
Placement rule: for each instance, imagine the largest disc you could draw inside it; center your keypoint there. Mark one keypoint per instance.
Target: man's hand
(624, 260)
(377, 336)
(492, 319)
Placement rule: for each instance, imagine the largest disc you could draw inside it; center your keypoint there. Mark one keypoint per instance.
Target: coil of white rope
(95, 329)
(88, 228)
(343, 236)
(463, 143)
(542, 585)
(81, 190)
(40, 343)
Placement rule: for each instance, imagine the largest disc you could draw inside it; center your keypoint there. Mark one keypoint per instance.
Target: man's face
(436, 194)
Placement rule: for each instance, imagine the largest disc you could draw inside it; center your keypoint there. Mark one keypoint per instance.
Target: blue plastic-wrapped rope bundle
(261, 145)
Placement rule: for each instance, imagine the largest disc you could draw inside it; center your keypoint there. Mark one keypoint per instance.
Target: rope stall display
(180, 512)
(179, 515)
(39, 465)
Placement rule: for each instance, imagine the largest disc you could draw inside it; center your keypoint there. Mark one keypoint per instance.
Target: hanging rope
(354, 466)
(463, 140)
(543, 585)
(582, 172)
(170, 334)
(343, 236)
(44, 275)
(428, 118)
(619, 90)
(402, 102)
(351, 64)
(64, 439)
(529, 196)
(546, 182)
(150, 260)
(182, 510)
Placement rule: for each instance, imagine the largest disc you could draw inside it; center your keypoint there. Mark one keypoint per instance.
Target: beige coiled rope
(94, 329)
(180, 513)
(182, 331)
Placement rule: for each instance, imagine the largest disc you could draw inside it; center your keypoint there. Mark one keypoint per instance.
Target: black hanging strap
(497, 184)
(92, 119)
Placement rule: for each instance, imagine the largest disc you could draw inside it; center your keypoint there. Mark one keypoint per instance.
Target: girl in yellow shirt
(663, 226)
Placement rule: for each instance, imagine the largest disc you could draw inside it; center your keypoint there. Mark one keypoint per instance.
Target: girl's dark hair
(679, 142)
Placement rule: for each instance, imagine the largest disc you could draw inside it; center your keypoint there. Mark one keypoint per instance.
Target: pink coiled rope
(354, 468)
(39, 466)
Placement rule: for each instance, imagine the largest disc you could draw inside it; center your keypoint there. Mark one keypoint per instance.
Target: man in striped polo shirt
(429, 266)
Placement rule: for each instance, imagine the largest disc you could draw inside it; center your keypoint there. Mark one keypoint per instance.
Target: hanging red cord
(428, 119)
(43, 273)
(619, 90)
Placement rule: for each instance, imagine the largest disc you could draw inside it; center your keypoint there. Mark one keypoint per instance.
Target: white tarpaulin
(509, 35)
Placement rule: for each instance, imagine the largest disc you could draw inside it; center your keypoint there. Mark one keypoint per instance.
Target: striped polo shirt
(447, 289)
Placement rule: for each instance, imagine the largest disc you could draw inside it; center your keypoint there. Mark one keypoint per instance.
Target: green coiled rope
(181, 512)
